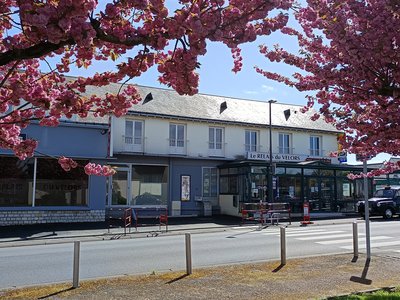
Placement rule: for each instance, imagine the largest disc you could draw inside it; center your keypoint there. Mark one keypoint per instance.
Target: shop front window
(293, 171)
(259, 187)
(56, 187)
(345, 195)
(311, 172)
(209, 182)
(149, 185)
(120, 187)
(289, 191)
(228, 184)
(16, 181)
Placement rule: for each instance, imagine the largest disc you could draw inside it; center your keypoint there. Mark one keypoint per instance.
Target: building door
(120, 185)
(319, 192)
(327, 194)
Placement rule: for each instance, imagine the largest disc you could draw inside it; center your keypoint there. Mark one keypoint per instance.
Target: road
(32, 265)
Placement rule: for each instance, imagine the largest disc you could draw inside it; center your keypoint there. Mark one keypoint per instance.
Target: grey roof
(169, 103)
(207, 107)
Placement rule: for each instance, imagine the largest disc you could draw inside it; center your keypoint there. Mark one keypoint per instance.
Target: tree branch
(35, 51)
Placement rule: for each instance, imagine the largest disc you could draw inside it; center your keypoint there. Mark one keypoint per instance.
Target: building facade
(192, 155)
(38, 190)
(205, 154)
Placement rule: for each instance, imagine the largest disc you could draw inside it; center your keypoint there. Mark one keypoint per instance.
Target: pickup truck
(386, 203)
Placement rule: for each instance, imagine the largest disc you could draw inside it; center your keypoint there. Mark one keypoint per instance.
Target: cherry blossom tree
(350, 59)
(136, 34)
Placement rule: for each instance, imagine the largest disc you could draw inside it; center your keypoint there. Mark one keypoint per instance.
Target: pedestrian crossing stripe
(312, 238)
(300, 234)
(275, 232)
(351, 240)
(375, 245)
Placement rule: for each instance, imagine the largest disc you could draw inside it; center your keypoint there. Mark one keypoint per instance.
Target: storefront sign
(275, 157)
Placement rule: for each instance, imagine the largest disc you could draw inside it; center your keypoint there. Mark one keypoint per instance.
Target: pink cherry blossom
(349, 61)
(136, 35)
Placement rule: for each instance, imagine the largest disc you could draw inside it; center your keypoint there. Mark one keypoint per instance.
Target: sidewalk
(11, 236)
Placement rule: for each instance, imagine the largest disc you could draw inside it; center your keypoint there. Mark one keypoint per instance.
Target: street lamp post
(270, 183)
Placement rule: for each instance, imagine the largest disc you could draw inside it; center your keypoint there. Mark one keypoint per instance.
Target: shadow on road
(363, 279)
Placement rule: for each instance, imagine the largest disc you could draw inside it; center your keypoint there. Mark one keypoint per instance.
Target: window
(149, 185)
(16, 181)
(251, 140)
(53, 186)
(315, 145)
(56, 187)
(133, 132)
(209, 182)
(215, 135)
(284, 143)
(229, 184)
(177, 135)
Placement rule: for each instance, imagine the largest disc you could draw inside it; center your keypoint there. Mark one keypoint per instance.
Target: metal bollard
(188, 254)
(75, 280)
(283, 246)
(355, 239)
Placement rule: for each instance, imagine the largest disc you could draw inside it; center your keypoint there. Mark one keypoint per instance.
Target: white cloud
(267, 88)
(251, 92)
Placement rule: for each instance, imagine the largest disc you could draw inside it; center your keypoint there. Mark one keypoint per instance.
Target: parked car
(386, 203)
(146, 199)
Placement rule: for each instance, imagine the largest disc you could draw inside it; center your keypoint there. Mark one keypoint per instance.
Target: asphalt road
(32, 265)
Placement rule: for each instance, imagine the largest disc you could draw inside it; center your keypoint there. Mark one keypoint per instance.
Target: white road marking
(311, 238)
(313, 233)
(375, 245)
(290, 232)
(351, 240)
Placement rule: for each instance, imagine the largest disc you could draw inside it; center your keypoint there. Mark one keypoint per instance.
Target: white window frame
(315, 145)
(216, 141)
(285, 141)
(177, 138)
(251, 140)
(133, 138)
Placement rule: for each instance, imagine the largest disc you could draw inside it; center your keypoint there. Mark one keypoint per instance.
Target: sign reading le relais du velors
(276, 157)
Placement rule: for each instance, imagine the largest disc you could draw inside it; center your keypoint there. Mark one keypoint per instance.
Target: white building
(176, 150)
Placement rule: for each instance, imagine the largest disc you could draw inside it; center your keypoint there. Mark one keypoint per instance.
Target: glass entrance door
(319, 192)
(327, 194)
(312, 193)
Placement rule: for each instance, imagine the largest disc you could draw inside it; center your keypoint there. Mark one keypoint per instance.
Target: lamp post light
(270, 183)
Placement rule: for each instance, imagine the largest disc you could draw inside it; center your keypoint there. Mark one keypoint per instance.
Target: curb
(389, 289)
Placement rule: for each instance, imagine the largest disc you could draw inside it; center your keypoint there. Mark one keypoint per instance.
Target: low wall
(25, 217)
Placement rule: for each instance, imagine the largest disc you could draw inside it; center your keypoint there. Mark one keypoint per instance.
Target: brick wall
(15, 217)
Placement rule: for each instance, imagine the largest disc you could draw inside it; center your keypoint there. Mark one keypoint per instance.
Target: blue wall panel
(97, 192)
(194, 169)
(75, 140)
